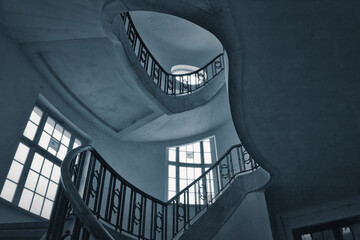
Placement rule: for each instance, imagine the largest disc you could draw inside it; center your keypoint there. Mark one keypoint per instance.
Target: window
(34, 173)
(193, 79)
(186, 163)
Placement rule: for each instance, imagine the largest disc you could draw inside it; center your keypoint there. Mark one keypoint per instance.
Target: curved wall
(143, 164)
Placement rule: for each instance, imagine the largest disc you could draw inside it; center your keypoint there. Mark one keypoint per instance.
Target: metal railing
(171, 84)
(93, 195)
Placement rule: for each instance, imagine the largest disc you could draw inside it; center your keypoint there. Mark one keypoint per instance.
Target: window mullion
(177, 170)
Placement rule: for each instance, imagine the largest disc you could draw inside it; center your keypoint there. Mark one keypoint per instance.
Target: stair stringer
(209, 223)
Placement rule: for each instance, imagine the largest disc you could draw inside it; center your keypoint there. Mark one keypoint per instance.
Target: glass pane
(37, 162)
(171, 194)
(44, 140)
(49, 125)
(51, 192)
(62, 152)
(55, 176)
(172, 171)
(190, 173)
(77, 143)
(197, 147)
(46, 169)
(183, 184)
(197, 158)
(42, 185)
(58, 132)
(31, 180)
(206, 145)
(54, 144)
(66, 138)
(182, 157)
(21, 153)
(197, 172)
(47, 209)
(15, 171)
(306, 237)
(36, 115)
(37, 204)
(172, 184)
(172, 155)
(182, 172)
(182, 148)
(30, 130)
(189, 148)
(26, 198)
(207, 158)
(8, 190)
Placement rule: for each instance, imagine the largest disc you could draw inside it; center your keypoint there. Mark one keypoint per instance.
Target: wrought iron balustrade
(93, 195)
(171, 84)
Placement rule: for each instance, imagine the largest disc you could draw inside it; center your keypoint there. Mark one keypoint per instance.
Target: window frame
(204, 166)
(34, 148)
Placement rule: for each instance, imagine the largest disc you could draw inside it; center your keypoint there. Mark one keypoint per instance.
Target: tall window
(34, 174)
(186, 163)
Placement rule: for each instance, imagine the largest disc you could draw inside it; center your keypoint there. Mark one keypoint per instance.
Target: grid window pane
(44, 140)
(8, 190)
(183, 184)
(55, 176)
(37, 162)
(171, 194)
(46, 169)
(172, 184)
(58, 132)
(15, 171)
(31, 180)
(66, 138)
(197, 147)
(172, 171)
(206, 145)
(30, 130)
(26, 198)
(182, 172)
(51, 192)
(207, 158)
(21, 153)
(172, 155)
(42, 185)
(36, 115)
(77, 143)
(37, 204)
(182, 156)
(62, 152)
(46, 211)
(49, 125)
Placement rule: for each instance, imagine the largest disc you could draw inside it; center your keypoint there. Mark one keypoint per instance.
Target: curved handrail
(84, 172)
(171, 84)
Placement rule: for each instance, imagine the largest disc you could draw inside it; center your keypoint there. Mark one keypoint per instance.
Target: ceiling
(68, 40)
(173, 40)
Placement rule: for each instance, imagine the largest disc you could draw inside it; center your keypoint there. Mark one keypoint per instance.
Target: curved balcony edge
(113, 25)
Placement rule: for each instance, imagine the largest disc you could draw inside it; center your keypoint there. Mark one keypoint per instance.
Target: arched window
(188, 162)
